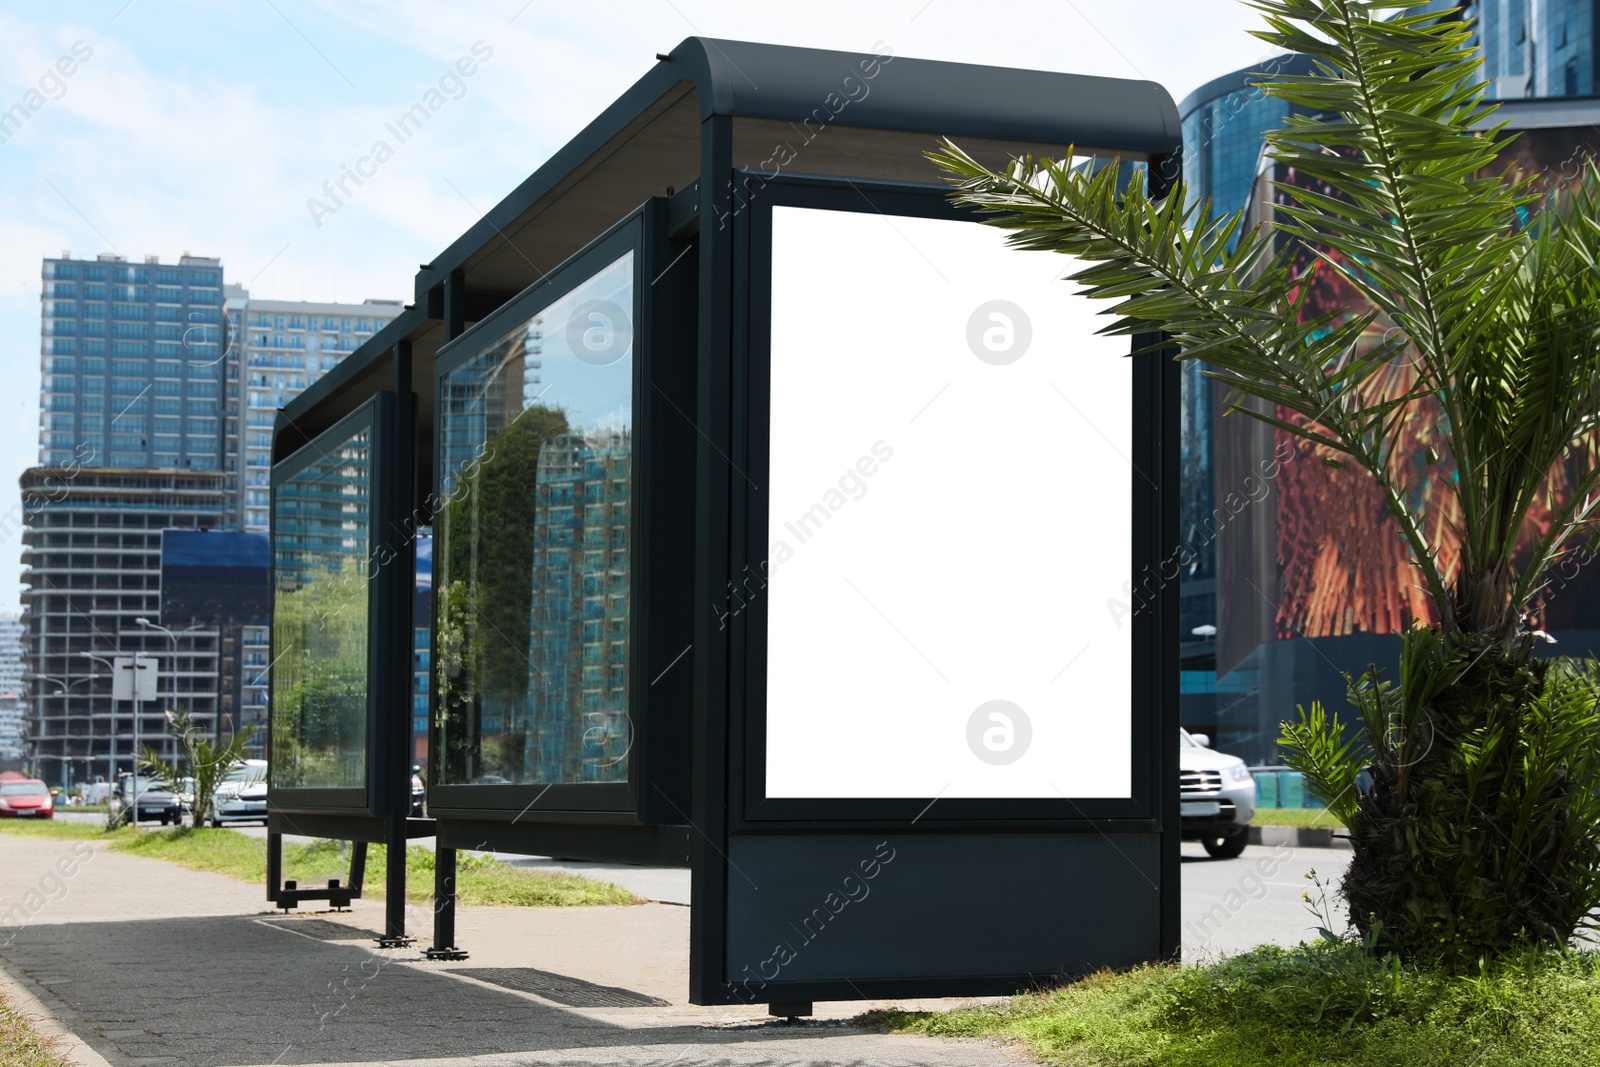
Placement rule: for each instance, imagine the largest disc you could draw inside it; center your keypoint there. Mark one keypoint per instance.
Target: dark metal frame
(677, 126)
(730, 690)
(380, 810)
(609, 813)
(748, 733)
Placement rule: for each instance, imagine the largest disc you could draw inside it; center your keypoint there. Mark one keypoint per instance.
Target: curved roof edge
(1286, 63)
(927, 95)
(768, 81)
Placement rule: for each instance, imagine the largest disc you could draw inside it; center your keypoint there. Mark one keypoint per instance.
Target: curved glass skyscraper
(1294, 577)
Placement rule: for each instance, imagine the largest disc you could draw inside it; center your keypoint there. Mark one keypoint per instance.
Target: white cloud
(215, 148)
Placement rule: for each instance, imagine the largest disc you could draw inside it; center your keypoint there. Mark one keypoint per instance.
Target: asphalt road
(1229, 906)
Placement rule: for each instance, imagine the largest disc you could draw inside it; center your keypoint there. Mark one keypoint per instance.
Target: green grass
(1317, 817)
(59, 830)
(1322, 1005)
(479, 879)
(23, 1046)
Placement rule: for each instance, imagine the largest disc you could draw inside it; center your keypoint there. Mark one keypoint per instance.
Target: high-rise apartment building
(578, 632)
(10, 652)
(150, 370)
(276, 348)
(132, 363)
(13, 732)
(281, 347)
(91, 560)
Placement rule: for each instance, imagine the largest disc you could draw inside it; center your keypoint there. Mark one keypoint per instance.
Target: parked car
(26, 799)
(1218, 796)
(241, 796)
(155, 800)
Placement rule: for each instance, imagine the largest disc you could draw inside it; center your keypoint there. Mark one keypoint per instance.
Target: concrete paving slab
(150, 964)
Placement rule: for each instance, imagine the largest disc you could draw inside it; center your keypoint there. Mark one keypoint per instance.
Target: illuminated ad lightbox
(949, 517)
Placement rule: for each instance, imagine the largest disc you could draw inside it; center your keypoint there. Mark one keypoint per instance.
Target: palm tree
(208, 764)
(1478, 831)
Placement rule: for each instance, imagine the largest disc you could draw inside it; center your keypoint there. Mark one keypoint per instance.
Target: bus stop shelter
(786, 525)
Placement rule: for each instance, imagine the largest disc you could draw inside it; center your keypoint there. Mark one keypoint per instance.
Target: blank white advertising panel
(949, 518)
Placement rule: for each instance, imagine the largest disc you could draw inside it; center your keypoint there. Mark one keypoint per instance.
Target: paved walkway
(150, 964)
(1228, 905)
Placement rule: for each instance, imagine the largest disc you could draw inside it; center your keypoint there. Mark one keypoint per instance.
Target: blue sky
(207, 127)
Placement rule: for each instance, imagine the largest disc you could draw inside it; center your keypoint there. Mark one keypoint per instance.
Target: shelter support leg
(444, 907)
(394, 905)
(275, 871)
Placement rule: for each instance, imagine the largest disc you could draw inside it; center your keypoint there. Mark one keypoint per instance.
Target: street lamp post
(111, 738)
(172, 637)
(136, 693)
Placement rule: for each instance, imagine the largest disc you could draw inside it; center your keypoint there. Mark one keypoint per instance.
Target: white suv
(1218, 796)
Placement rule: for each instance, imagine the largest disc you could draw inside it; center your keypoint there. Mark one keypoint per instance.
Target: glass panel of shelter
(532, 574)
(321, 546)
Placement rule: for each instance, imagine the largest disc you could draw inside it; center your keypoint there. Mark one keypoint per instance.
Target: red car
(26, 799)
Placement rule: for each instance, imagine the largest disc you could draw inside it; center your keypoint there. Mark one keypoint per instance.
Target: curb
(1300, 837)
(74, 1049)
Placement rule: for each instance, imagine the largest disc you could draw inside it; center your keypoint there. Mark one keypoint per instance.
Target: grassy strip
(59, 830)
(23, 1046)
(479, 879)
(1317, 817)
(1322, 1005)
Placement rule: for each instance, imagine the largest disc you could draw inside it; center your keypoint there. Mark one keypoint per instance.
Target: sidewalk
(150, 964)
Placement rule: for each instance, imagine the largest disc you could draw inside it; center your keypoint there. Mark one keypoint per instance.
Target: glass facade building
(1291, 580)
(1538, 48)
(281, 347)
(133, 363)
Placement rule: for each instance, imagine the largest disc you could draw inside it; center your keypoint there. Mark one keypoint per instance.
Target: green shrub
(1329, 1004)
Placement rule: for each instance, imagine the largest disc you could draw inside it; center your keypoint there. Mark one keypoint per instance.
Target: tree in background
(198, 758)
(1480, 830)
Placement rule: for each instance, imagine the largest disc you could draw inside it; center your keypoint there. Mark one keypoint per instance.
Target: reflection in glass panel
(532, 562)
(321, 545)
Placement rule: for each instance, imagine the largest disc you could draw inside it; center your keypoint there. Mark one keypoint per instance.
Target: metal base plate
(451, 953)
